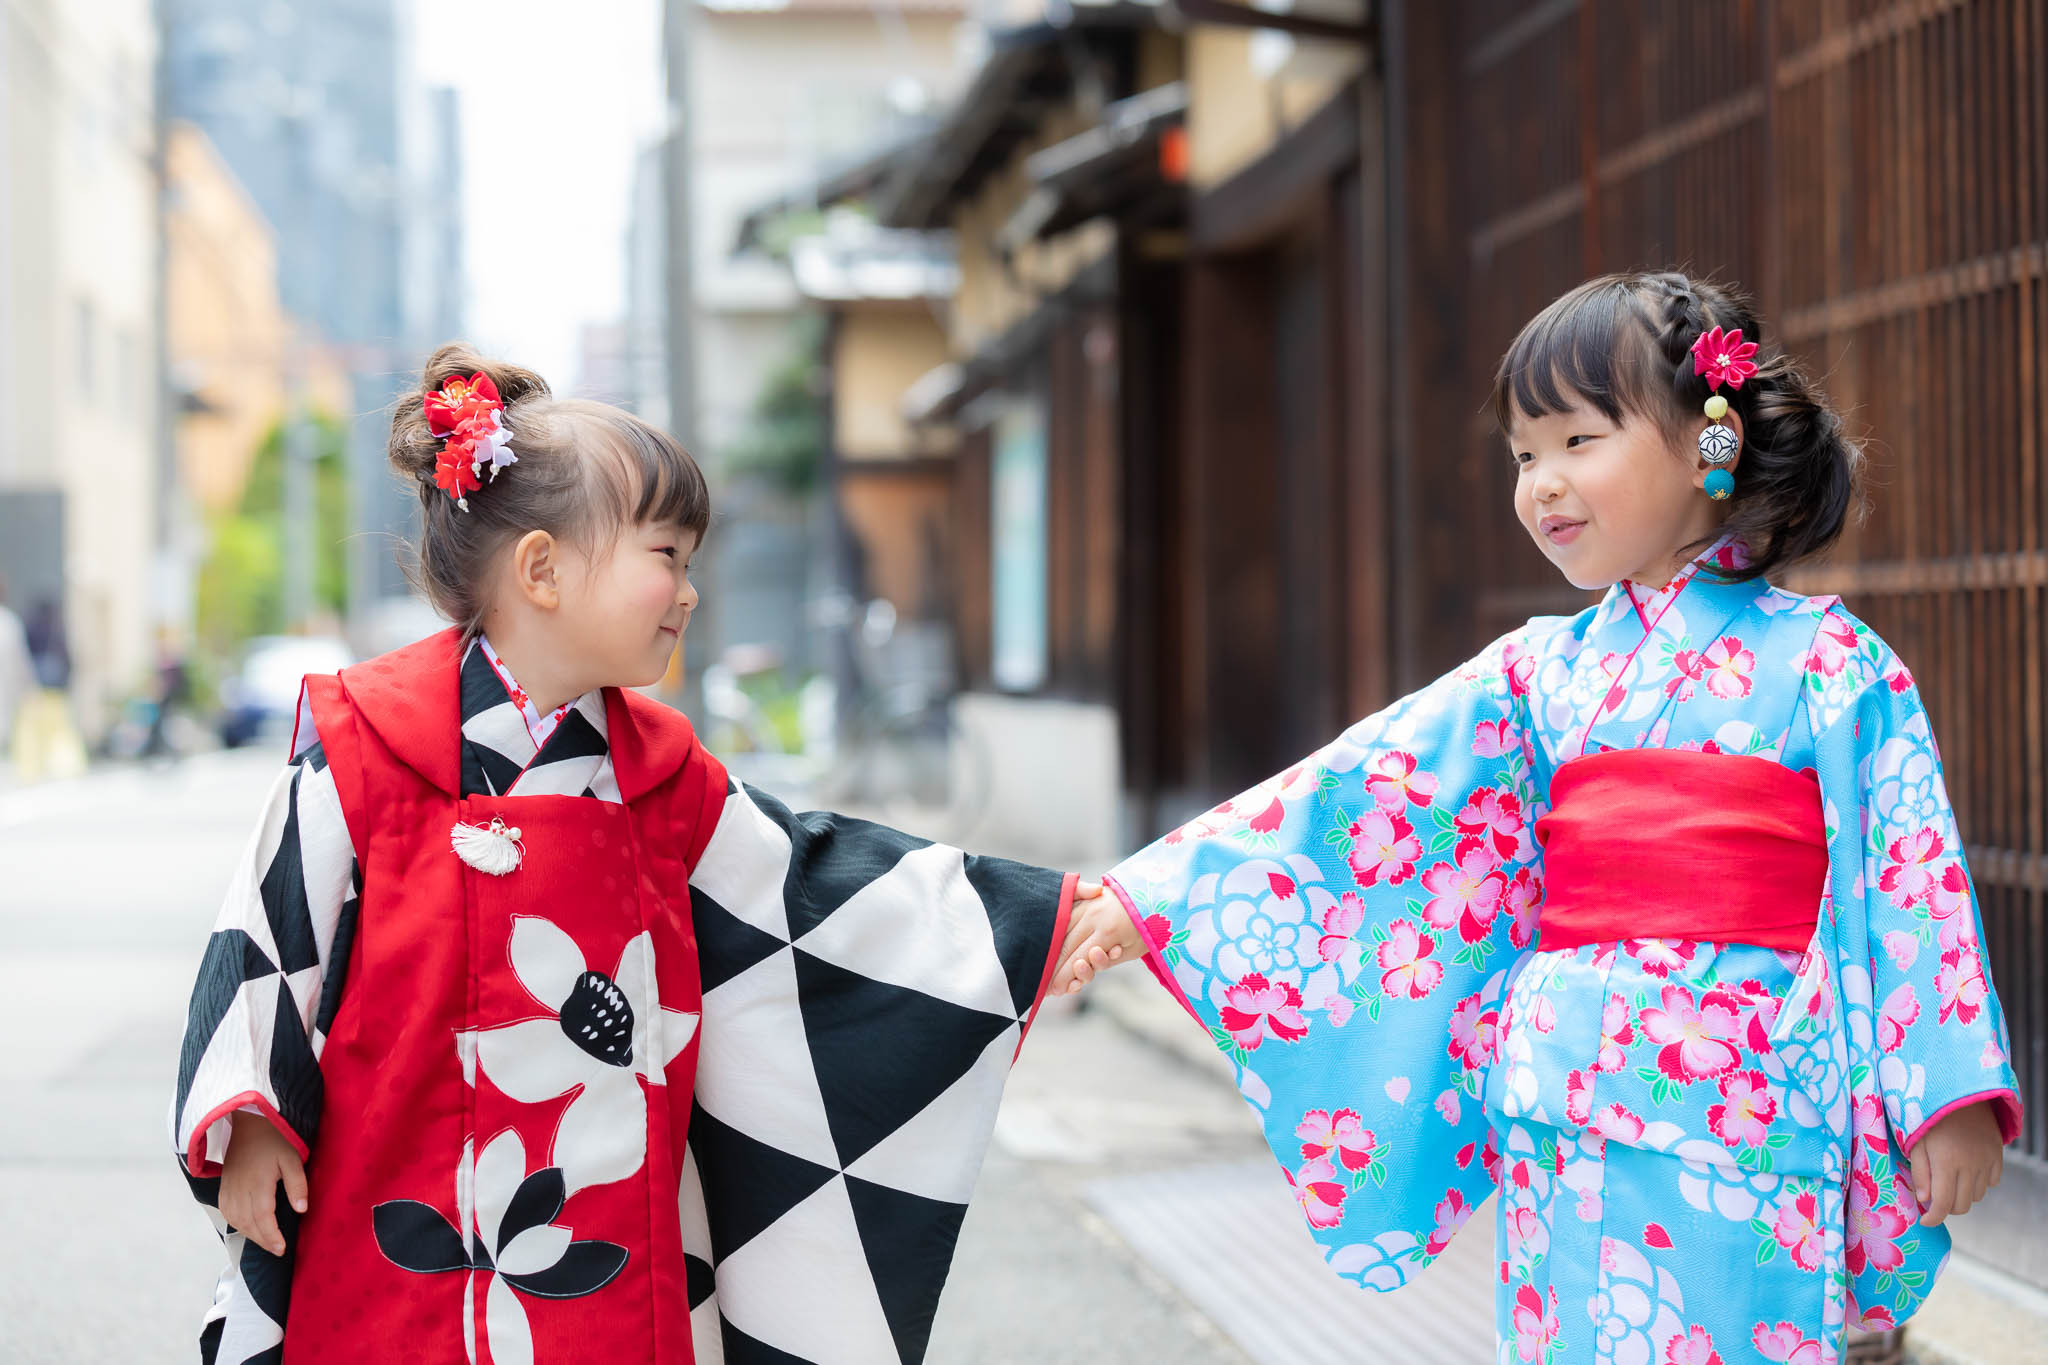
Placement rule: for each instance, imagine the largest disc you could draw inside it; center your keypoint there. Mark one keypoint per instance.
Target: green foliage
(784, 440)
(241, 581)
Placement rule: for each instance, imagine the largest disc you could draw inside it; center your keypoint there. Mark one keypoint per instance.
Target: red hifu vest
(417, 1141)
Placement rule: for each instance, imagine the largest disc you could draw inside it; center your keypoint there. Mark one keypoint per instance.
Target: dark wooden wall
(1876, 172)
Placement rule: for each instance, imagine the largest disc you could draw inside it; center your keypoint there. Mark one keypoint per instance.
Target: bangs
(644, 474)
(1592, 345)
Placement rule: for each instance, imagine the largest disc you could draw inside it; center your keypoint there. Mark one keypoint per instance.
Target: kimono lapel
(1640, 639)
(499, 729)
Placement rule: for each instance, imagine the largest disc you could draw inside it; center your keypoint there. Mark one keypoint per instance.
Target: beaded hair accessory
(469, 418)
(1721, 358)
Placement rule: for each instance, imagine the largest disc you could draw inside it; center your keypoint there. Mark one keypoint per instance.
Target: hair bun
(413, 448)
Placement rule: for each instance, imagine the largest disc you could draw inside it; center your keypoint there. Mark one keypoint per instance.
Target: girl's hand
(1099, 935)
(258, 1157)
(1957, 1160)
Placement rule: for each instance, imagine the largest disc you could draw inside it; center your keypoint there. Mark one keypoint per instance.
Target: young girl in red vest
(1653, 922)
(528, 1035)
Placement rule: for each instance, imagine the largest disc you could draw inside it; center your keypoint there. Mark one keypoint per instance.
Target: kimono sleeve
(864, 995)
(1938, 1038)
(1343, 932)
(270, 979)
(1924, 1034)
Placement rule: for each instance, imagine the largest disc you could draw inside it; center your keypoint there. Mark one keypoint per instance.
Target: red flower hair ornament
(1723, 358)
(469, 418)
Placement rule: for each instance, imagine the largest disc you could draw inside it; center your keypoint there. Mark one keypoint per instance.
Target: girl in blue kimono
(1654, 919)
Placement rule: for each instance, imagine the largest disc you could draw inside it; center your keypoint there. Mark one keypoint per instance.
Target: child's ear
(536, 562)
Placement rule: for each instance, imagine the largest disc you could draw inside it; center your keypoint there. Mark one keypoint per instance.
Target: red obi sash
(1672, 843)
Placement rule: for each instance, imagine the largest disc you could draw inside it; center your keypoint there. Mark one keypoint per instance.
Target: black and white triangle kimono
(864, 995)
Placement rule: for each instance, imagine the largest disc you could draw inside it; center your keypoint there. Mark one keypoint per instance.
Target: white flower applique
(602, 1033)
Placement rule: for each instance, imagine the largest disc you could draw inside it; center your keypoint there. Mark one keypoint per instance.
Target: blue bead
(1720, 484)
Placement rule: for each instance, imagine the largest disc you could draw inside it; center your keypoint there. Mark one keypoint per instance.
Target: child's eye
(1519, 457)
(1575, 440)
(668, 550)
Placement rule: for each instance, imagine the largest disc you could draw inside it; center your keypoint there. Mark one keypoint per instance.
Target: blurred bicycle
(890, 747)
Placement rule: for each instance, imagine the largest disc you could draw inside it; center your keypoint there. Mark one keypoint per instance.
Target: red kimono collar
(412, 698)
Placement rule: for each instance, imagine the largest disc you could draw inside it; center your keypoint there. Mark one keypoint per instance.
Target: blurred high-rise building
(312, 108)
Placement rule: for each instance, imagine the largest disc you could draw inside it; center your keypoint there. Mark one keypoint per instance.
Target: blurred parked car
(260, 700)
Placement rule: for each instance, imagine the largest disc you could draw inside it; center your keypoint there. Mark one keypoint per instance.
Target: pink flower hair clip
(468, 416)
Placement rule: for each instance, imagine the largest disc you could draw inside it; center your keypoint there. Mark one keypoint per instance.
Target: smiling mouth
(1559, 528)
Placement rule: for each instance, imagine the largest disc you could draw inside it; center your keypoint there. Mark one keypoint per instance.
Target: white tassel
(494, 849)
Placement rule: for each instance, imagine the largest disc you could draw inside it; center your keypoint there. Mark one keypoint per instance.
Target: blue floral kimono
(1699, 1146)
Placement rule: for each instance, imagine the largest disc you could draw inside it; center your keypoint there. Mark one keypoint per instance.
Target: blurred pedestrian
(173, 688)
(493, 817)
(46, 739)
(1739, 1056)
(17, 670)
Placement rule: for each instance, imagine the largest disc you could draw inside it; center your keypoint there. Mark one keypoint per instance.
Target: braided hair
(1623, 344)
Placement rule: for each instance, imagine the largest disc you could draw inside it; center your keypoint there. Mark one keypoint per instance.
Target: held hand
(1958, 1159)
(258, 1157)
(1099, 935)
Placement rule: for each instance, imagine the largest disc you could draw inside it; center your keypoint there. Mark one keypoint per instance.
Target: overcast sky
(556, 99)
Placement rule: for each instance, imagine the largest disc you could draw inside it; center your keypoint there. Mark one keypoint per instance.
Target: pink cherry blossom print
(1158, 930)
(1687, 668)
(1356, 1144)
(1451, 1213)
(1340, 922)
(1472, 1030)
(1785, 1343)
(1465, 894)
(1535, 1322)
(1523, 900)
(1255, 1008)
(1798, 1230)
(1660, 957)
(1397, 1089)
(1319, 1193)
(1873, 1230)
(1394, 783)
(1959, 984)
(1877, 1319)
(1695, 1041)
(1901, 1009)
(1616, 1033)
(1495, 818)
(1729, 668)
(1695, 1347)
(1747, 1109)
(1898, 677)
(1282, 886)
(1408, 969)
(1578, 1098)
(1912, 867)
(1616, 1123)
(1450, 1108)
(1834, 644)
(1383, 849)
(1950, 903)
(1902, 948)
(1318, 1132)
(1518, 667)
(1494, 739)
(1655, 1238)
(1270, 819)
